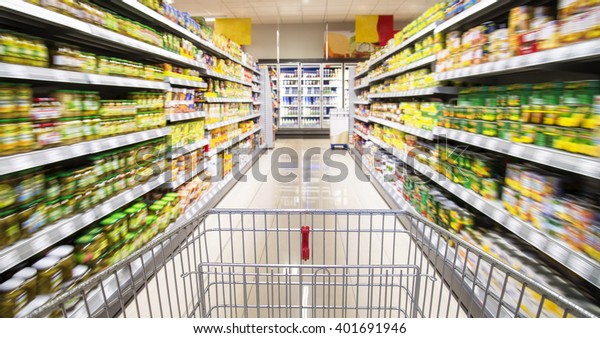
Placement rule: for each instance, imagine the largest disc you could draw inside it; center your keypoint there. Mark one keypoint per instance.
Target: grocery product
(556, 114)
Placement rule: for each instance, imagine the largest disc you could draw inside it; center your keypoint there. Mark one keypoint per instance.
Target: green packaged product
(490, 189)
(490, 129)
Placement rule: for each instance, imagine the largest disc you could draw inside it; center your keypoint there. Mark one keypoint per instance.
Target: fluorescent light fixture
(209, 19)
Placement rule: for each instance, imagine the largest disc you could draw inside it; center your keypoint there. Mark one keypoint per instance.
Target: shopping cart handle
(305, 248)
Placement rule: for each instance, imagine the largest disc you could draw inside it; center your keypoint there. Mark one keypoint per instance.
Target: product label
(56, 280)
(60, 60)
(20, 301)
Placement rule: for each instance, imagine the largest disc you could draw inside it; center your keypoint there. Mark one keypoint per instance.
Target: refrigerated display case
(333, 87)
(310, 96)
(288, 95)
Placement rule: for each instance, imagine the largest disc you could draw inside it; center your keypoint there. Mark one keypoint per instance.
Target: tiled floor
(308, 190)
(355, 259)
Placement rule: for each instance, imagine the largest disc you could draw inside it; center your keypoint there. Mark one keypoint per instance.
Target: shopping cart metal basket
(309, 263)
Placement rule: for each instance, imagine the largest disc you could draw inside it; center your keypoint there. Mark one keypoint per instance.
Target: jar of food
(71, 130)
(71, 102)
(65, 254)
(68, 184)
(109, 226)
(89, 128)
(29, 276)
(54, 210)
(89, 247)
(122, 223)
(136, 217)
(10, 137)
(90, 103)
(86, 201)
(80, 274)
(50, 275)
(10, 228)
(13, 297)
(162, 219)
(25, 138)
(23, 98)
(68, 205)
(7, 101)
(33, 217)
(47, 134)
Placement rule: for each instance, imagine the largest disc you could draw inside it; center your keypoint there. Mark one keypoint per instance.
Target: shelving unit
(552, 65)
(51, 25)
(54, 233)
(185, 83)
(228, 122)
(417, 92)
(578, 164)
(186, 116)
(414, 131)
(18, 162)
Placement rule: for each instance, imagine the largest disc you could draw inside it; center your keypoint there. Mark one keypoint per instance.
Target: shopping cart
(309, 263)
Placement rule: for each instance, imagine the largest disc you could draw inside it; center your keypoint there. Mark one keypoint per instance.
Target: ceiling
(304, 11)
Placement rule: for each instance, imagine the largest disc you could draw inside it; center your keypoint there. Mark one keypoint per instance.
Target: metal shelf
(578, 164)
(231, 143)
(571, 53)
(366, 85)
(411, 130)
(15, 163)
(363, 73)
(186, 116)
(483, 7)
(576, 262)
(226, 123)
(362, 102)
(361, 134)
(52, 234)
(417, 92)
(360, 118)
(12, 71)
(212, 73)
(139, 273)
(150, 14)
(185, 178)
(417, 64)
(226, 100)
(427, 30)
(91, 32)
(188, 148)
(185, 83)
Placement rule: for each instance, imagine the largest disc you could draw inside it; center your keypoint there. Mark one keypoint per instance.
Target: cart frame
(247, 263)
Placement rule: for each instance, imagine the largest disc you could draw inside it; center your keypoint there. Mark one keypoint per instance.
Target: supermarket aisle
(346, 245)
(304, 193)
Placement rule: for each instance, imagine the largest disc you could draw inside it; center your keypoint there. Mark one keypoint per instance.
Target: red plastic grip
(305, 248)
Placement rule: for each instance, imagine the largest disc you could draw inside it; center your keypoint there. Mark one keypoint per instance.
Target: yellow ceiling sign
(238, 30)
(366, 28)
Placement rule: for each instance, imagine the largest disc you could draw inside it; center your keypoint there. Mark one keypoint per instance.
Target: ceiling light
(209, 19)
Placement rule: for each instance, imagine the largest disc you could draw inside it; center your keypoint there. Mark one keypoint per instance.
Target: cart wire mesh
(248, 263)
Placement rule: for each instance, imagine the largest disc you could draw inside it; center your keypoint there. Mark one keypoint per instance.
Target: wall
(297, 41)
